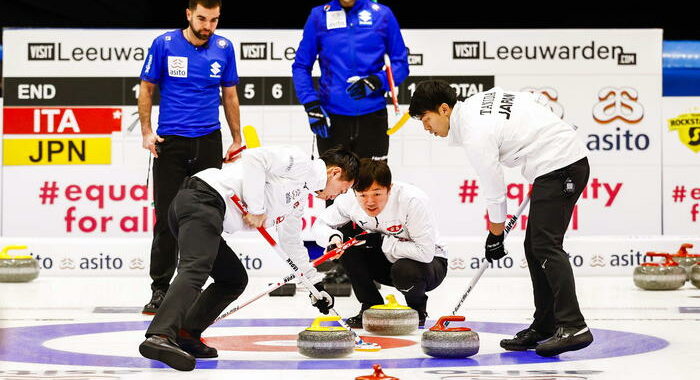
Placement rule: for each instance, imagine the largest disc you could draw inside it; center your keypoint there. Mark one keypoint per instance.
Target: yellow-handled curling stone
(17, 268)
(453, 342)
(326, 341)
(390, 318)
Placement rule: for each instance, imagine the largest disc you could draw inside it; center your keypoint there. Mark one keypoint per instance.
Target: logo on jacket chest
(215, 70)
(335, 20)
(177, 67)
(395, 227)
(364, 17)
(292, 196)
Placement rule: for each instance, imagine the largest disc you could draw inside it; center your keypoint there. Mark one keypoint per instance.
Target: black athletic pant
(196, 218)
(553, 284)
(412, 278)
(365, 135)
(178, 157)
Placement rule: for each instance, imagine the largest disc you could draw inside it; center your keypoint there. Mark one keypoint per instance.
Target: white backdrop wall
(73, 166)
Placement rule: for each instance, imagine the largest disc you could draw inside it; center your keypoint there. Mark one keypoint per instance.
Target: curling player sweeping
(402, 247)
(502, 128)
(275, 182)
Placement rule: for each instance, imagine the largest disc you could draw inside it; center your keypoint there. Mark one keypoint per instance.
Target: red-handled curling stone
(664, 276)
(377, 375)
(685, 259)
(453, 342)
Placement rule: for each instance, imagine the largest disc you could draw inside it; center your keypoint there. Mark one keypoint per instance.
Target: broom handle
(303, 279)
(508, 228)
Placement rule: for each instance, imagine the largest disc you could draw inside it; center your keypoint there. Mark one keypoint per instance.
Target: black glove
(371, 240)
(318, 118)
(325, 304)
(364, 87)
(494, 247)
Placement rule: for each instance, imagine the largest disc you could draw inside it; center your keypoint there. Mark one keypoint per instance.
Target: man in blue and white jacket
(350, 39)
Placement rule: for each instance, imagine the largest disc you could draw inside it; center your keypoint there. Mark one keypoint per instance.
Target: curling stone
(390, 318)
(287, 290)
(654, 276)
(695, 275)
(17, 268)
(453, 342)
(378, 374)
(325, 341)
(685, 259)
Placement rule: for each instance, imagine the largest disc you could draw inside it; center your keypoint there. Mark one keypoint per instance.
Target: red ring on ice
(257, 343)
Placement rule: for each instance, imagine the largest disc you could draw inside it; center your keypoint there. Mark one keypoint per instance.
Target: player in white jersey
(500, 128)
(274, 182)
(403, 247)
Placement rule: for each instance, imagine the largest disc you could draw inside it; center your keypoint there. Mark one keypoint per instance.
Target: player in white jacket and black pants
(502, 128)
(274, 182)
(402, 248)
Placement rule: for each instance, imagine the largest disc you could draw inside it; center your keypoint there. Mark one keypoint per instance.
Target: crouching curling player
(402, 248)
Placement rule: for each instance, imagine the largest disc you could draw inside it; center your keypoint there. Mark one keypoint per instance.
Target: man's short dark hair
(372, 171)
(346, 160)
(429, 95)
(209, 4)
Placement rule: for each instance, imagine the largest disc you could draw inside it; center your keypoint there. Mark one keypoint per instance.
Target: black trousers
(553, 284)
(413, 279)
(178, 157)
(196, 218)
(365, 135)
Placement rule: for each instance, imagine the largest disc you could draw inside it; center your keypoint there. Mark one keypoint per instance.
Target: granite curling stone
(390, 318)
(17, 268)
(450, 342)
(695, 275)
(664, 276)
(685, 259)
(325, 342)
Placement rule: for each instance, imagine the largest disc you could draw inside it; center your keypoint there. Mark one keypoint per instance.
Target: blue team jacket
(348, 44)
(189, 78)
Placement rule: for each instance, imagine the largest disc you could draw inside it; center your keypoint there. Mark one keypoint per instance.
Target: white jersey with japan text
(507, 128)
(406, 222)
(275, 181)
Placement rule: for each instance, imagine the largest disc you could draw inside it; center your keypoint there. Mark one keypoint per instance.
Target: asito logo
(550, 98)
(618, 105)
(688, 128)
(177, 66)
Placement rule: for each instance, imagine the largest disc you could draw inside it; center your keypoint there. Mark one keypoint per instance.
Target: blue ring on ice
(26, 345)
